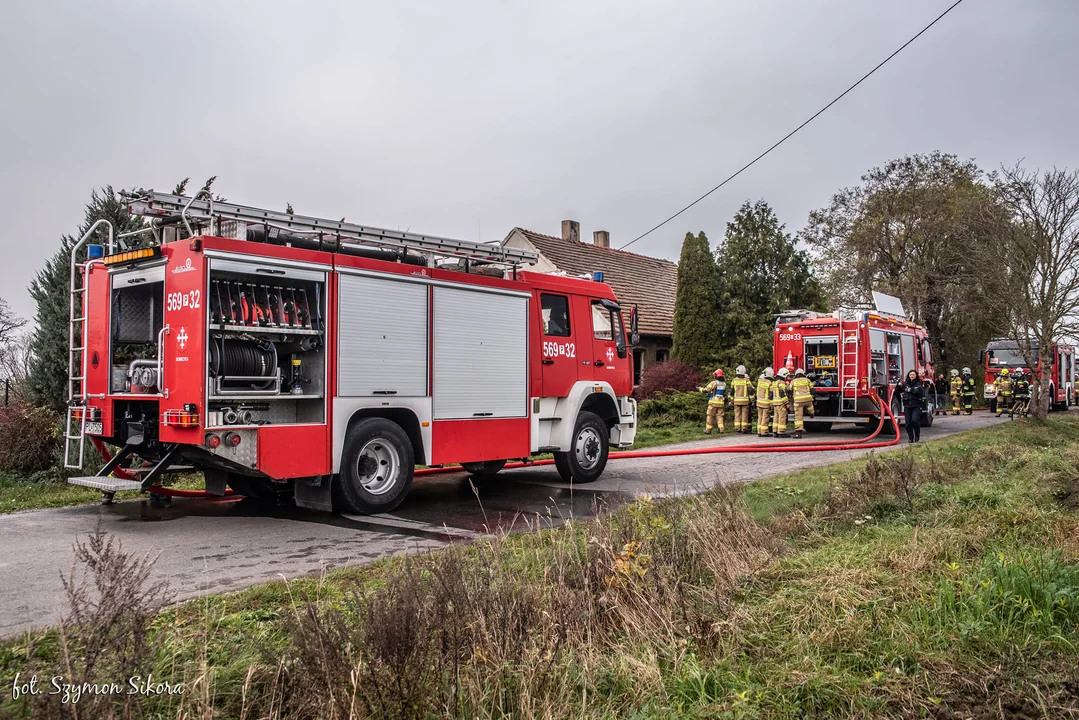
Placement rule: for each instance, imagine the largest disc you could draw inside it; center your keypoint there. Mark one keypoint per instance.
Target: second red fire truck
(293, 356)
(851, 352)
(1000, 354)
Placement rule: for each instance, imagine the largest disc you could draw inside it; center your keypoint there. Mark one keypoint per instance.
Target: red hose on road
(821, 446)
(853, 444)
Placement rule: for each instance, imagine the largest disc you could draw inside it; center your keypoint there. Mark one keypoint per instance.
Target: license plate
(94, 428)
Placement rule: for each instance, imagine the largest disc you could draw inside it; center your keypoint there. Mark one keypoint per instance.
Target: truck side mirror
(634, 334)
(981, 358)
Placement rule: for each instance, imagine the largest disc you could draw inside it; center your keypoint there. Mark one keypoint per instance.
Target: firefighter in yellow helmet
(741, 391)
(955, 388)
(1004, 392)
(764, 402)
(717, 397)
(802, 396)
(779, 404)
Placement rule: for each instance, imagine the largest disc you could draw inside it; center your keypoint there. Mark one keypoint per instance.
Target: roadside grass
(939, 581)
(18, 493)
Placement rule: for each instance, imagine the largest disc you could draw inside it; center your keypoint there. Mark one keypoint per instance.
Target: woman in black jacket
(913, 396)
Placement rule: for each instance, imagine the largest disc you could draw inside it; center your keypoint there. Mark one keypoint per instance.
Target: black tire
(377, 465)
(487, 468)
(590, 445)
(993, 405)
(927, 414)
(897, 412)
(814, 426)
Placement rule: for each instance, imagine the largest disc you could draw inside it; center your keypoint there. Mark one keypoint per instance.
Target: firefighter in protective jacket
(1004, 392)
(967, 390)
(956, 389)
(779, 404)
(1022, 393)
(802, 396)
(764, 402)
(717, 392)
(742, 390)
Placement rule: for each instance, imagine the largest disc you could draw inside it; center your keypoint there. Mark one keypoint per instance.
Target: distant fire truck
(850, 352)
(1000, 354)
(284, 355)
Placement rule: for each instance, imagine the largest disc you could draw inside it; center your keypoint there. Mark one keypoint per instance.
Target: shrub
(671, 408)
(668, 376)
(29, 438)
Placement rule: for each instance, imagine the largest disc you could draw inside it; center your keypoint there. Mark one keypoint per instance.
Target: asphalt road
(205, 546)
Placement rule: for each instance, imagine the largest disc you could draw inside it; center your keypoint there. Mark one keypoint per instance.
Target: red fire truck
(284, 355)
(1001, 353)
(848, 353)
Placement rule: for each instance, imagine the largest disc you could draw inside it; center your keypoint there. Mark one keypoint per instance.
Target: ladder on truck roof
(202, 209)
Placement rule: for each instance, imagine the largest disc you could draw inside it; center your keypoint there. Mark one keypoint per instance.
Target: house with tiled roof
(647, 282)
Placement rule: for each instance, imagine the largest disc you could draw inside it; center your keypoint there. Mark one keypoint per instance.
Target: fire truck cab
(850, 352)
(286, 356)
(1001, 353)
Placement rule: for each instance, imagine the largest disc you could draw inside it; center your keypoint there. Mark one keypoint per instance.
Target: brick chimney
(601, 238)
(571, 230)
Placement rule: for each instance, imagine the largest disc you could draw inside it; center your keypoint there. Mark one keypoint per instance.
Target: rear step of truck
(106, 484)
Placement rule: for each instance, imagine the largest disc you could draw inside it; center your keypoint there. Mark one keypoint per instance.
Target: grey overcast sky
(467, 118)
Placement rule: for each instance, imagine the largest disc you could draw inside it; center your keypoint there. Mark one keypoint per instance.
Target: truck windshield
(1006, 357)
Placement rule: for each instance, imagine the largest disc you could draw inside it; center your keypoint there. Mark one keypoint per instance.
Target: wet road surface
(213, 546)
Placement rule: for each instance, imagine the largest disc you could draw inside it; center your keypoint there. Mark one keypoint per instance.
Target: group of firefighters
(775, 392)
(1013, 392)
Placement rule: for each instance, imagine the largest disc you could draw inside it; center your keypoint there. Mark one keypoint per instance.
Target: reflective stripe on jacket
(968, 386)
(716, 390)
(779, 393)
(957, 384)
(742, 388)
(802, 389)
(764, 391)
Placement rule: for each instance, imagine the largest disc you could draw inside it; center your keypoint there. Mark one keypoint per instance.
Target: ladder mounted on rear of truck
(202, 214)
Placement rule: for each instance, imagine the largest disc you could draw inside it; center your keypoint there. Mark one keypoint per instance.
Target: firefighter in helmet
(967, 390)
(802, 396)
(764, 402)
(1004, 392)
(742, 389)
(779, 404)
(955, 388)
(717, 398)
(1022, 393)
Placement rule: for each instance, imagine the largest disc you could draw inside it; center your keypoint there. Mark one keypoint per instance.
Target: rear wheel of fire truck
(377, 463)
(897, 412)
(588, 450)
(487, 468)
(927, 414)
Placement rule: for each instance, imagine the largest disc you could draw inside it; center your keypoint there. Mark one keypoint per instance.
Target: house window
(662, 355)
(555, 310)
(638, 365)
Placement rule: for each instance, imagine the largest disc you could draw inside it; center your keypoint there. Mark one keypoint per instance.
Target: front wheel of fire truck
(587, 456)
(377, 464)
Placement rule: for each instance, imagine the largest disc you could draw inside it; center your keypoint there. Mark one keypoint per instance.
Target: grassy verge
(940, 581)
(17, 493)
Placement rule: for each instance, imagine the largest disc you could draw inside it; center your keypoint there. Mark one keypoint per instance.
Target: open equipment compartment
(136, 299)
(266, 344)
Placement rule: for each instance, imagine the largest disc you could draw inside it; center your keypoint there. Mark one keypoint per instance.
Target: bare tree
(14, 351)
(10, 323)
(1039, 255)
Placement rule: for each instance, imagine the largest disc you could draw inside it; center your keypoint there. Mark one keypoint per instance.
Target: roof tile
(648, 282)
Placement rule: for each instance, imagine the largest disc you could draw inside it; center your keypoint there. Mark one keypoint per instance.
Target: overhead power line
(791, 134)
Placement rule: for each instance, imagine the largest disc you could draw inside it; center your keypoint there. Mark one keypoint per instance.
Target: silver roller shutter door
(382, 337)
(480, 354)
